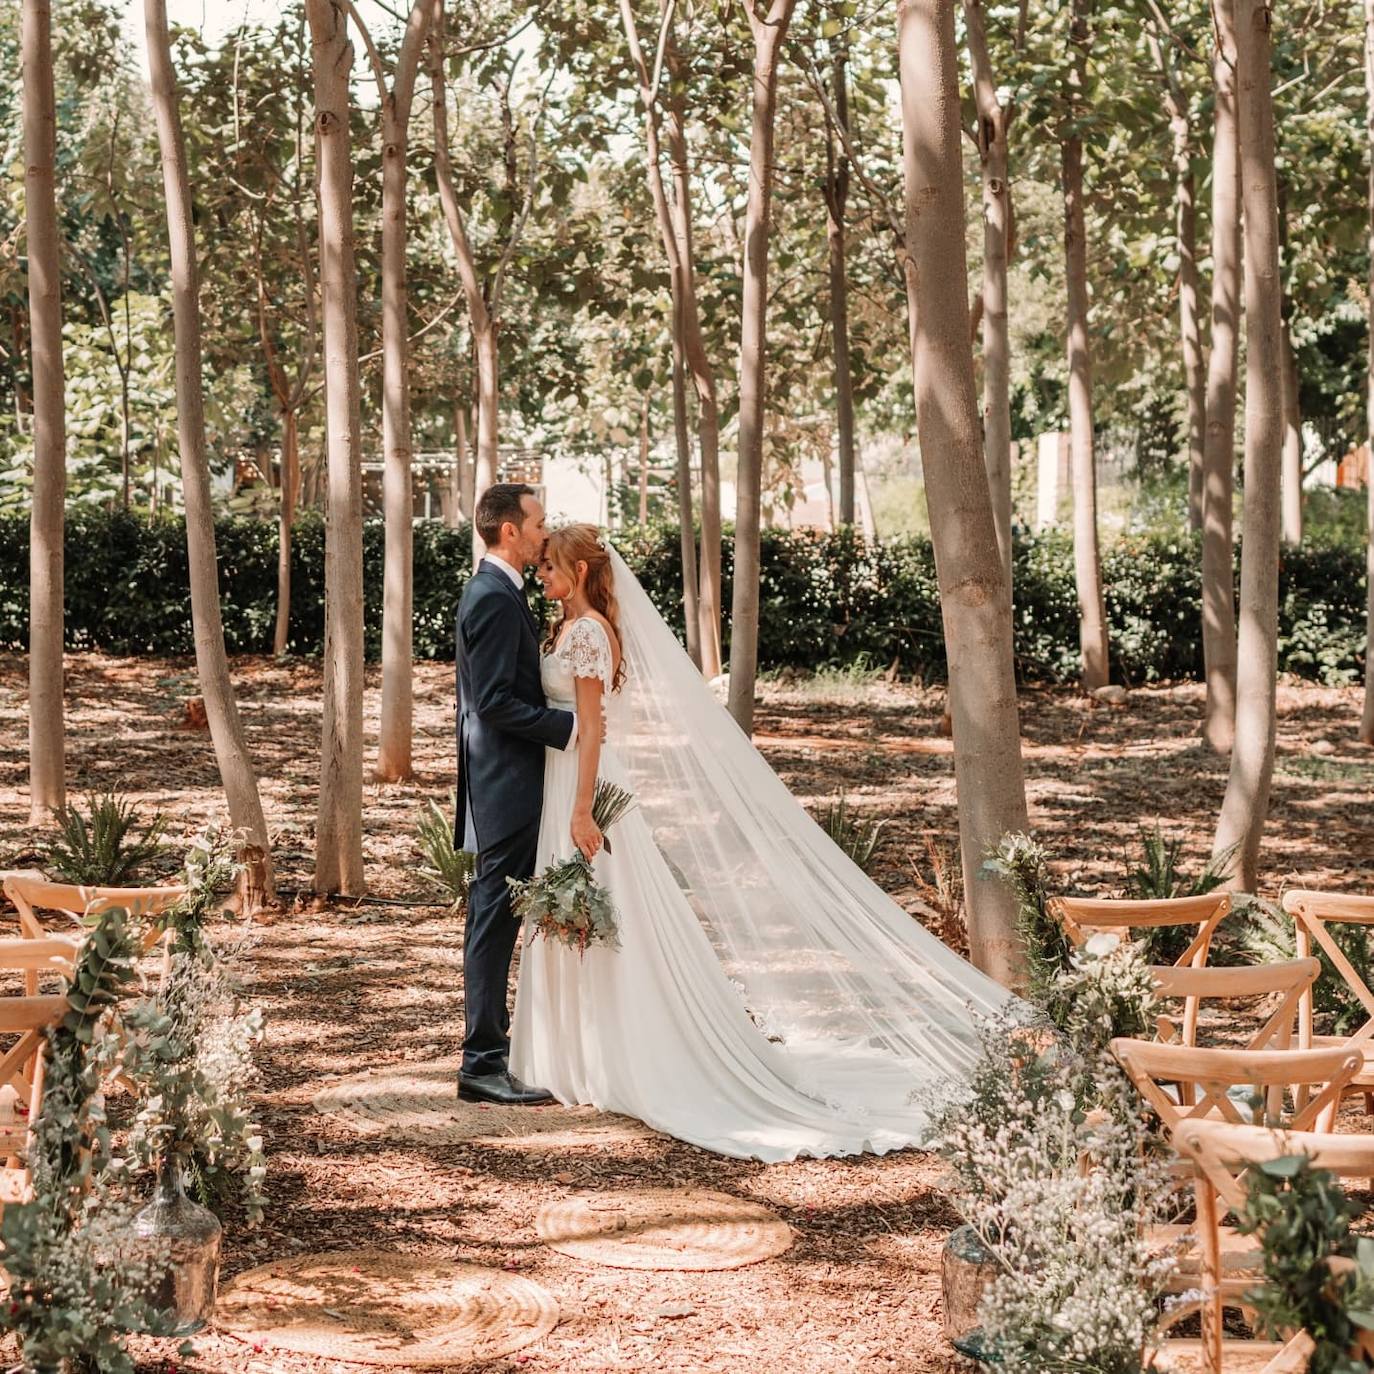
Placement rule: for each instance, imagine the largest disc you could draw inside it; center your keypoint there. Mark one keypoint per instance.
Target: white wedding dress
(767, 1000)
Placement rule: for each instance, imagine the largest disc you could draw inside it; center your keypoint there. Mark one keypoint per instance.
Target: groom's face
(531, 536)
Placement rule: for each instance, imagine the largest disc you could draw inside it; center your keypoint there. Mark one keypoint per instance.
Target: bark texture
(975, 597)
(338, 827)
(1246, 803)
(836, 200)
(994, 121)
(1087, 557)
(770, 32)
(1219, 446)
(47, 741)
(212, 663)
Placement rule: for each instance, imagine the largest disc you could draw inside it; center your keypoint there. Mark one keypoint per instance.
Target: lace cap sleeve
(587, 651)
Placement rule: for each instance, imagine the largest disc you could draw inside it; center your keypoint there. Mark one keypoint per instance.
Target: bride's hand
(585, 834)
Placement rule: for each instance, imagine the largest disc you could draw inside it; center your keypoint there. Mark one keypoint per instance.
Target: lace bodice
(583, 650)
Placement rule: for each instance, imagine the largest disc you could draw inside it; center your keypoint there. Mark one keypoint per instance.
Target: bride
(767, 1000)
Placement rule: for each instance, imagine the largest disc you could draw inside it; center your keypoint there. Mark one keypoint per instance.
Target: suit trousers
(488, 944)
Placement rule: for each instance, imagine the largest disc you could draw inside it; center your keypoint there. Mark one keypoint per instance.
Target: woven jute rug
(380, 1308)
(663, 1228)
(419, 1101)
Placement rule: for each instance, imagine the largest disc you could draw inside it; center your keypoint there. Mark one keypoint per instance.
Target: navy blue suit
(504, 726)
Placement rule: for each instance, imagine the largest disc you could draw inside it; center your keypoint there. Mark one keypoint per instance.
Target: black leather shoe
(502, 1089)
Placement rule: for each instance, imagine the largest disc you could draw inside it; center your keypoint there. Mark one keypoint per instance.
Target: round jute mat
(381, 1308)
(663, 1228)
(419, 1101)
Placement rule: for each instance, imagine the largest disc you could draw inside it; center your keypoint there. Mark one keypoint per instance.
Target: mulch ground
(348, 986)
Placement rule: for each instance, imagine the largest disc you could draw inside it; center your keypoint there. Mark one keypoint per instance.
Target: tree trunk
(993, 123)
(1246, 803)
(698, 364)
(1367, 716)
(338, 828)
(395, 728)
(1189, 326)
(212, 663)
(975, 597)
(1087, 559)
(462, 459)
(1292, 442)
(286, 515)
(687, 538)
(488, 417)
(1219, 448)
(47, 745)
(395, 734)
(836, 198)
(770, 33)
(644, 460)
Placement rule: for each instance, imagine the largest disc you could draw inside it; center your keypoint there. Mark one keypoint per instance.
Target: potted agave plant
(189, 1054)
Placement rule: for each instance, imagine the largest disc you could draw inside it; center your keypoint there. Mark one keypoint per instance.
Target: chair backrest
(31, 895)
(1083, 917)
(1287, 981)
(1223, 1153)
(1345, 907)
(1203, 1077)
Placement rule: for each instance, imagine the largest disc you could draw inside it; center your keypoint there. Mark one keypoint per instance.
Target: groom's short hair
(501, 502)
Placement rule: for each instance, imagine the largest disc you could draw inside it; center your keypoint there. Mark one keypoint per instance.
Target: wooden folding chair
(31, 895)
(1312, 913)
(1222, 1154)
(1184, 1084)
(1287, 981)
(1084, 917)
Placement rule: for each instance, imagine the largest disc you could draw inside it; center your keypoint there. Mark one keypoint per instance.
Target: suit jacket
(504, 724)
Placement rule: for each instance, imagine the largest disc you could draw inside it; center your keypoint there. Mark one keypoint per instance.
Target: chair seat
(14, 1186)
(1179, 1356)
(1240, 1255)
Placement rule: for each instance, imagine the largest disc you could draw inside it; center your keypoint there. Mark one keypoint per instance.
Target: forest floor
(348, 987)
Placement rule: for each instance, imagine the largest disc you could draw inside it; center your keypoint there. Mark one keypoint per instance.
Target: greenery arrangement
(865, 602)
(449, 868)
(76, 1283)
(99, 847)
(1021, 862)
(189, 1047)
(858, 838)
(1302, 1218)
(565, 902)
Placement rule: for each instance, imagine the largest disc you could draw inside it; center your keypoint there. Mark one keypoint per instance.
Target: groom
(504, 727)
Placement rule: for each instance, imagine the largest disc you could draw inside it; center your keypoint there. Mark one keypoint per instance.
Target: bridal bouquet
(565, 902)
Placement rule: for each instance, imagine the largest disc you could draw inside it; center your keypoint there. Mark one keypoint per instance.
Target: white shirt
(515, 575)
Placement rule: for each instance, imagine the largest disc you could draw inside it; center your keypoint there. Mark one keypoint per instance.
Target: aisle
(350, 992)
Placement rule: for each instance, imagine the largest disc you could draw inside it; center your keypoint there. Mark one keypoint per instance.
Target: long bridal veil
(826, 962)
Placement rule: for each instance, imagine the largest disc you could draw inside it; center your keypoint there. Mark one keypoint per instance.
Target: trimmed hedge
(826, 599)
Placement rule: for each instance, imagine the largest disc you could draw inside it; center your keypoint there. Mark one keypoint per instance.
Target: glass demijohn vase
(188, 1238)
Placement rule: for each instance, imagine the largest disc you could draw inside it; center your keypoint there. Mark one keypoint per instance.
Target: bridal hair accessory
(565, 902)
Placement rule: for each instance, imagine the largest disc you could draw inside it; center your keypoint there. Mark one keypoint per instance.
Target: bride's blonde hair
(570, 545)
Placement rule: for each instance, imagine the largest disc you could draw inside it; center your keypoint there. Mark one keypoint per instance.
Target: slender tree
(975, 596)
(483, 295)
(678, 287)
(836, 192)
(212, 663)
(697, 363)
(994, 122)
(1087, 558)
(1163, 49)
(47, 747)
(1219, 446)
(395, 95)
(770, 33)
(1291, 512)
(1367, 716)
(338, 826)
(1246, 803)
